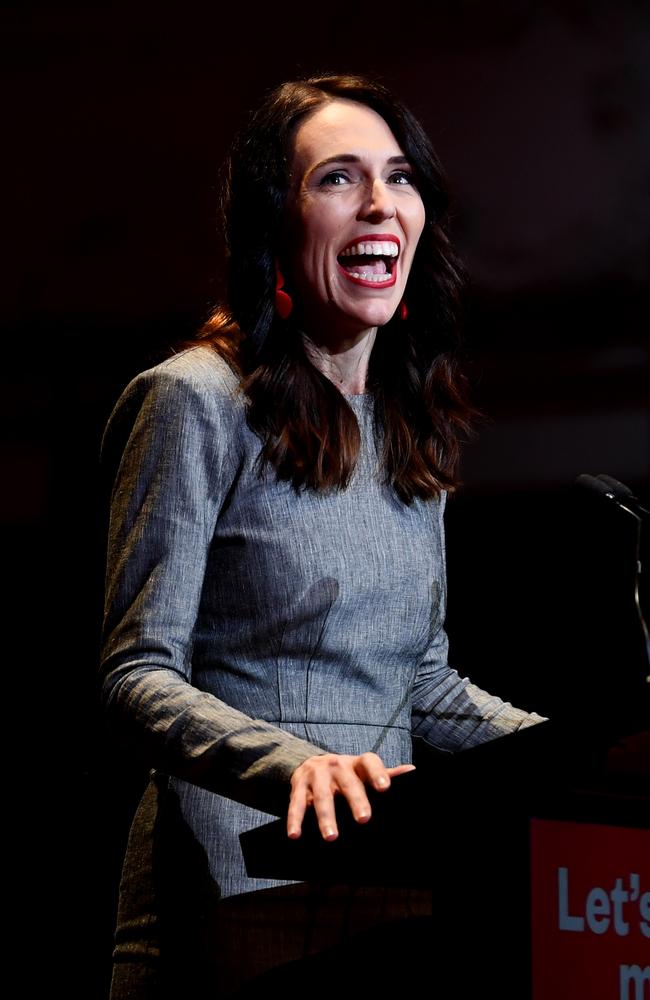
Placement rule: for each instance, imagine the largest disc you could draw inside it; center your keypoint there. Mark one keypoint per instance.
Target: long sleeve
(448, 711)
(172, 458)
(451, 713)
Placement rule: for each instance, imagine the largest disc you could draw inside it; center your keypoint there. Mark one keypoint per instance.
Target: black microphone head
(620, 489)
(600, 485)
(594, 485)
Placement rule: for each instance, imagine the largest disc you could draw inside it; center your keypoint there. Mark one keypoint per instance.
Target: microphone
(610, 488)
(622, 491)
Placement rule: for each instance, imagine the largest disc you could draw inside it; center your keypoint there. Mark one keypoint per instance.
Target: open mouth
(371, 261)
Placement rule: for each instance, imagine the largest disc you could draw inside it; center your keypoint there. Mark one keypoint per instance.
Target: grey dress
(248, 626)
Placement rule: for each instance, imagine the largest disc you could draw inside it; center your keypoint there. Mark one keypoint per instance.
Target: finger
(400, 769)
(380, 778)
(353, 788)
(383, 782)
(323, 802)
(296, 812)
(370, 768)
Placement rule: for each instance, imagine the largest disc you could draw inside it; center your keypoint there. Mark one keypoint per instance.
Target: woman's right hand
(318, 779)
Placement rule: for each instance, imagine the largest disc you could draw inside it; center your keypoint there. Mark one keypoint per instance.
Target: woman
(273, 634)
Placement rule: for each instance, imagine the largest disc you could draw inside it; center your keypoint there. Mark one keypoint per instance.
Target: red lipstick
(390, 277)
(390, 281)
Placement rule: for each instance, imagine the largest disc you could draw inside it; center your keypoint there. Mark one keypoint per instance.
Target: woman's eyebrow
(352, 158)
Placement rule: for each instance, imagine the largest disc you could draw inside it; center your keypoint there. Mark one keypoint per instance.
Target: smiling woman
(355, 222)
(275, 593)
(325, 166)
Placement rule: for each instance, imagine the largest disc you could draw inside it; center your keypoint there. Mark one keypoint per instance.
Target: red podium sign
(590, 898)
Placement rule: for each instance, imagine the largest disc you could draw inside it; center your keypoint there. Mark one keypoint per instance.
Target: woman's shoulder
(198, 367)
(187, 393)
(187, 399)
(196, 378)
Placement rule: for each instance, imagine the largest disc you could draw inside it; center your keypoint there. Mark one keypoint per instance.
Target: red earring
(403, 310)
(283, 301)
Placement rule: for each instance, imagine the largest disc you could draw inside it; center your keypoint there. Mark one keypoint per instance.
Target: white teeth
(377, 278)
(387, 249)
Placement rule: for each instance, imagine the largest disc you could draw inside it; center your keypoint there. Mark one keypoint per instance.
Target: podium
(511, 837)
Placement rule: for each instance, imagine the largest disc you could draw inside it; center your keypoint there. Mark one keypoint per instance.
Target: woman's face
(354, 220)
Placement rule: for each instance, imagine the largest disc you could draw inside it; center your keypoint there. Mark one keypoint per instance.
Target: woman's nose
(378, 203)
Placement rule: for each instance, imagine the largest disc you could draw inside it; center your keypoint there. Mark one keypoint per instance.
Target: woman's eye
(335, 177)
(402, 177)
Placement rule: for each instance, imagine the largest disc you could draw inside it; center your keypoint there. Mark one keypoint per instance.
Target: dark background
(119, 116)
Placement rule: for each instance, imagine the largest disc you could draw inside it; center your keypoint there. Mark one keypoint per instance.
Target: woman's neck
(345, 363)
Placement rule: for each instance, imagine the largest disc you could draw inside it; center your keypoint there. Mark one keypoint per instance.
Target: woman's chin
(374, 314)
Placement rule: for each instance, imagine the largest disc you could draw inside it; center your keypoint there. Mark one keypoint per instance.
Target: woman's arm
(448, 711)
(171, 457)
(451, 713)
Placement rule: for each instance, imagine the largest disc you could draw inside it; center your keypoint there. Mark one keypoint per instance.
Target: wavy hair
(309, 433)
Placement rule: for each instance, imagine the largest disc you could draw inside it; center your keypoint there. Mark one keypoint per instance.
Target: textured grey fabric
(248, 626)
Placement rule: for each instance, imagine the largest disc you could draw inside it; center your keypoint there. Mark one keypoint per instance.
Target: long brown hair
(309, 433)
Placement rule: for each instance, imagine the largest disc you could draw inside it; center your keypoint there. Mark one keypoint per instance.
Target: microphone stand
(623, 497)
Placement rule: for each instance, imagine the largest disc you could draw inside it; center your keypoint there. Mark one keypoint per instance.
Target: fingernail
(294, 833)
(330, 833)
(381, 782)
